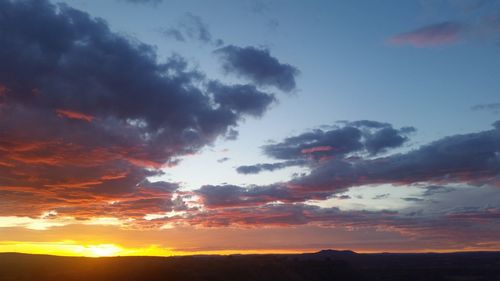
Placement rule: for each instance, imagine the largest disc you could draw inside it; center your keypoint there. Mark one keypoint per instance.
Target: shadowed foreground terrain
(324, 265)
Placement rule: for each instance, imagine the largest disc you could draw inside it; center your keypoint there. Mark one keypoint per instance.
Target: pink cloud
(74, 115)
(316, 149)
(431, 35)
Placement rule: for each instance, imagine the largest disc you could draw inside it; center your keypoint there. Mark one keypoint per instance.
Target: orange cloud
(74, 115)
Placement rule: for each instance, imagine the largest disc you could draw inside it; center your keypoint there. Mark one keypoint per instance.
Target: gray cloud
(364, 136)
(413, 199)
(222, 160)
(467, 217)
(492, 107)
(381, 196)
(470, 158)
(435, 189)
(191, 27)
(259, 66)
(87, 115)
(359, 136)
(215, 196)
(482, 24)
(257, 168)
(244, 99)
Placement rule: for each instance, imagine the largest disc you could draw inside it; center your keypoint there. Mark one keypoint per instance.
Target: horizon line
(257, 253)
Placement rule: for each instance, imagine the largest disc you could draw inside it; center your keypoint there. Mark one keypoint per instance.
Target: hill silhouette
(323, 265)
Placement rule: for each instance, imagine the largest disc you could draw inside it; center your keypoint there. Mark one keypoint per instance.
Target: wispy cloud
(492, 107)
(191, 27)
(431, 35)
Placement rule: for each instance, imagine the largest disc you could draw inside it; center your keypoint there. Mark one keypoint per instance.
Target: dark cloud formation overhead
(86, 115)
(470, 158)
(362, 137)
(257, 168)
(259, 66)
(244, 99)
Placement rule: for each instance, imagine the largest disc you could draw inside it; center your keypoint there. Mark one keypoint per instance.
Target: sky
(162, 127)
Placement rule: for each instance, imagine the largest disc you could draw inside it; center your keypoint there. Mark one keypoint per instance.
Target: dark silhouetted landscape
(324, 265)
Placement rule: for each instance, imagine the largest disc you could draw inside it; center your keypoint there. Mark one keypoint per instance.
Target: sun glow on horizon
(104, 250)
(96, 250)
(72, 248)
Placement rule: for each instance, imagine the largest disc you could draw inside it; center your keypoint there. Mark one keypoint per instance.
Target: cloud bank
(258, 66)
(87, 115)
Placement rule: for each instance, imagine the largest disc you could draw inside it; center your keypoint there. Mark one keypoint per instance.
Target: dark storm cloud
(86, 115)
(241, 98)
(432, 35)
(259, 66)
(257, 168)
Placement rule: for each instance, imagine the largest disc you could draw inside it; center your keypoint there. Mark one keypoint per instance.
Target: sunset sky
(169, 127)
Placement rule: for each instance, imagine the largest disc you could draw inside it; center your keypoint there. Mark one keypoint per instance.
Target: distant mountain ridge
(319, 266)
